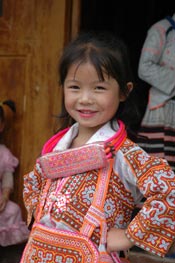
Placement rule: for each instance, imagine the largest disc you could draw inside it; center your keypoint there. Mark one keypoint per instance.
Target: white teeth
(86, 112)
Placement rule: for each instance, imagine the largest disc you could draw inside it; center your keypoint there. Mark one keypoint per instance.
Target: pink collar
(117, 138)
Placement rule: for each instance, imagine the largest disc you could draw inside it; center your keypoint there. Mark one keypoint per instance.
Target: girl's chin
(91, 126)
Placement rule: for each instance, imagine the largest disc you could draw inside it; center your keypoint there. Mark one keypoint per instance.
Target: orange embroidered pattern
(153, 228)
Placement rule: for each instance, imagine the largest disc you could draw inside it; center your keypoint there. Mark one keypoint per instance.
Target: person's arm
(153, 227)
(33, 183)
(154, 69)
(7, 187)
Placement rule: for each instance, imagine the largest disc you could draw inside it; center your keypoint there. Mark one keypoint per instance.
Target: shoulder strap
(172, 23)
(95, 215)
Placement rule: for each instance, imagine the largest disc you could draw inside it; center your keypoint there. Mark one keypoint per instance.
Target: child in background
(90, 176)
(12, 229)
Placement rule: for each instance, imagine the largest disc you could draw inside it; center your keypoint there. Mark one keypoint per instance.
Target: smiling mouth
(87, 113)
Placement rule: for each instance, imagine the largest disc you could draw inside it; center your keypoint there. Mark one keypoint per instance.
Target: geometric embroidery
(46, 245)
(75, 206)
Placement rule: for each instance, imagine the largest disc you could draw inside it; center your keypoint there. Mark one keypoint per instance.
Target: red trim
(51, 143)
(118, 138)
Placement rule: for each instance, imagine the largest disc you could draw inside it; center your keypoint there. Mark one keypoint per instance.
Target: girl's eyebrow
(93, 82)
(71, 80)
(100, 82)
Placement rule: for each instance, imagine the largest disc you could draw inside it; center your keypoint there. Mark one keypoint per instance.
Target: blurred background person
(13, 229)
(157, 68)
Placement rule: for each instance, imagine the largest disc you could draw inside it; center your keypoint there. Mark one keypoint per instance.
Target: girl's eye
(100, 88)
(74, 87)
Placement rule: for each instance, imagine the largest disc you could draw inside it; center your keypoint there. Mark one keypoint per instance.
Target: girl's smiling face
(90, 101)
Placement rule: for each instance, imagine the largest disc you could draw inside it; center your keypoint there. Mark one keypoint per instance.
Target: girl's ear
(129, 88)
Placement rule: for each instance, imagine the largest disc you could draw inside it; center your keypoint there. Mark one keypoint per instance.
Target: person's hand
(117, 240)
(3, 202)
(4, 197)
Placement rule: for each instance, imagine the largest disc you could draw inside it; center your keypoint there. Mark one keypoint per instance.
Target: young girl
(90, 176)
(12, 229)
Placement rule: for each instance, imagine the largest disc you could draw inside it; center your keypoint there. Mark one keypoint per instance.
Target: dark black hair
(108, 54)
(10, 104)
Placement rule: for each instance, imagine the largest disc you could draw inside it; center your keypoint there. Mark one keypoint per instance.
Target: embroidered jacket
(157, 63)
(135, 173)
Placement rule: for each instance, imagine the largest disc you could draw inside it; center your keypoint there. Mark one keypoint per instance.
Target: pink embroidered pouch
(73, 161)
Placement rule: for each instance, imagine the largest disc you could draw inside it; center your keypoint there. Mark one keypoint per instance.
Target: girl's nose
(86, 97)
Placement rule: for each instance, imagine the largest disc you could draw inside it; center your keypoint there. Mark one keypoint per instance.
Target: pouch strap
(95, 216)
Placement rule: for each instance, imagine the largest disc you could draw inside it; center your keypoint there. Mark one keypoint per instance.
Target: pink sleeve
(8, 161)
(7, 180)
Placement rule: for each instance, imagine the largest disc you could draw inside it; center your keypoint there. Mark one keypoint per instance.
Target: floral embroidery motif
(61, 200)
(153, 177)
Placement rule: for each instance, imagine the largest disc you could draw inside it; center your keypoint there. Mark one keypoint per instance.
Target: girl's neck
(82, 137)
(79, 141)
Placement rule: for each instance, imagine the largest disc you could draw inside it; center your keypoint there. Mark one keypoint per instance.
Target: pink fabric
(8, 161)
(84, 158)
(49, 145)
(13, 229)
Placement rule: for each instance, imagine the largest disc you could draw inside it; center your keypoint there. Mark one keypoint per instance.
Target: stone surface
(143, 257)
